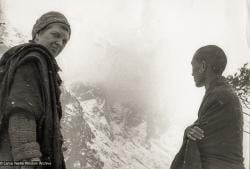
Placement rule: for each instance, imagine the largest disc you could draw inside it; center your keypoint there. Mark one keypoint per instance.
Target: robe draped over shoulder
(220, 117)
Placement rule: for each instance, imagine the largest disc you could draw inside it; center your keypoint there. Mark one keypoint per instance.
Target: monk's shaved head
(214, 57)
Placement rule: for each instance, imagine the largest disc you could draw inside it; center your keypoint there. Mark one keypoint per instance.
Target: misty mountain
(101, 136)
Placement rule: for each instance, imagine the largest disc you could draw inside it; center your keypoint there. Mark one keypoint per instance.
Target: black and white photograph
(124, 84)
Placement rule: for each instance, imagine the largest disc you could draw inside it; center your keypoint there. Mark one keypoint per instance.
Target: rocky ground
(97, 139)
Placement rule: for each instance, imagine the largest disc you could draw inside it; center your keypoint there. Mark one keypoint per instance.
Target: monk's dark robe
(220, 116)
(30, 108)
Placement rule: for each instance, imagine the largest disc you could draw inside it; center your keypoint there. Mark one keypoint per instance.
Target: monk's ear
(203, 66)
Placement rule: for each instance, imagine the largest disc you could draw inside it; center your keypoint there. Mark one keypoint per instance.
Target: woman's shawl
(48, 126)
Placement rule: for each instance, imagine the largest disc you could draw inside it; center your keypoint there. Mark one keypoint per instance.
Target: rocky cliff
(98, 139)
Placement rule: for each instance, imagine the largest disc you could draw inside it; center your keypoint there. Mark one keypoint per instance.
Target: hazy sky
(142, 46)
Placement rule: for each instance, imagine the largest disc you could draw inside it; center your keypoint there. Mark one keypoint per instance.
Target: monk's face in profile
(198, 72)
(54, 37)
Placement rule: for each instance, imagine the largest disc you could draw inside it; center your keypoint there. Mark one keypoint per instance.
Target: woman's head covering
(49, 18)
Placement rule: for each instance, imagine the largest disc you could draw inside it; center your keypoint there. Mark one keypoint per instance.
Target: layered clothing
(220, 117)
(30, 108)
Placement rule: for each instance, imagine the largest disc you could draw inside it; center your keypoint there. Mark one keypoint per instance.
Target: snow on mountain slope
(96, 140)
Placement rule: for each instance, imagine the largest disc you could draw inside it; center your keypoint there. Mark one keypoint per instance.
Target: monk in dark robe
(30, 108)
(214, 140)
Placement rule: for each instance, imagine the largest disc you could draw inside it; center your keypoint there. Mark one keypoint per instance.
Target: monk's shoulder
(224, 94)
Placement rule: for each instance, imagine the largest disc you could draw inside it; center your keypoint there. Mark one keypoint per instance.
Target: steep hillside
(97, 139)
